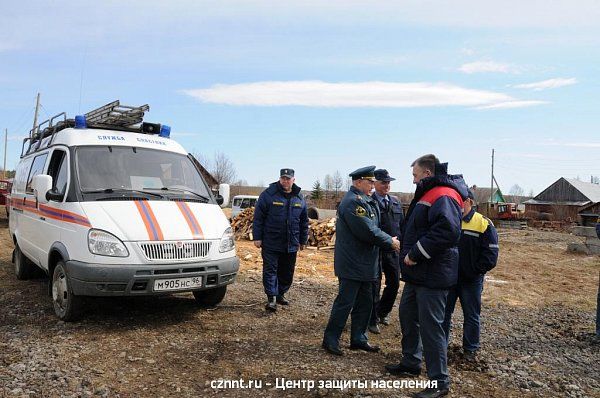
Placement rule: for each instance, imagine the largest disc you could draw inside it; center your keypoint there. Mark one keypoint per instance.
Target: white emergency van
(109, 205)
(241, 202)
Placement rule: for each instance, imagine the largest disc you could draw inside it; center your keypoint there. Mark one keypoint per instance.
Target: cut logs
(320, 233)
(242, 224)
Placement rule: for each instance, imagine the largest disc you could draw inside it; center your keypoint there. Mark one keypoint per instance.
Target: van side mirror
(219, 199)
(54, 195)
(41, 184)
(224, 194)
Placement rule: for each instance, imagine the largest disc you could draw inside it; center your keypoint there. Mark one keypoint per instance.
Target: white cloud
(573, 144)
(512, 104)
(545, 84)
(363, 94)
(488, 66)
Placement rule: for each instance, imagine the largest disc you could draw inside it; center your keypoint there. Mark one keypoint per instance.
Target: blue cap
(364, 173)
(471, 194)
(383, 175)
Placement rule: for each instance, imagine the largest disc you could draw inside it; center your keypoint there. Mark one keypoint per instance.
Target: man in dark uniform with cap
(392, 219)
(280, 228)
(356, 257)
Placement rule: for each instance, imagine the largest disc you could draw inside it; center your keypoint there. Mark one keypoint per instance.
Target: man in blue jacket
(356, 263)
(280, 228)
(477, 253)
(429, 268)
(392, 219)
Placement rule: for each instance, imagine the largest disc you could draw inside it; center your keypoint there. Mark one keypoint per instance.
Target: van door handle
(17, 210)
(43, 218)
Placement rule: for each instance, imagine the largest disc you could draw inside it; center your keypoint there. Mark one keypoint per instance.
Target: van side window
(36, 168)
(58, 170)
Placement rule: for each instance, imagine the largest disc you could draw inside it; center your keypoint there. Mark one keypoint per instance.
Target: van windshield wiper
(117, 190)
(187, 191)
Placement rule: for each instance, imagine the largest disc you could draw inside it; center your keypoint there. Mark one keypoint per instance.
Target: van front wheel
(67, 306)
(24, 268)
(210, 297)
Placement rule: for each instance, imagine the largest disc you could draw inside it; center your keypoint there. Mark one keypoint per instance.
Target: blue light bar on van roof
(165, 131)
(80, 122)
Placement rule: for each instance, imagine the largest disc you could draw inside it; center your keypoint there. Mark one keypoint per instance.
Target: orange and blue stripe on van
(191, 220)
(50, 212)
(152, 226)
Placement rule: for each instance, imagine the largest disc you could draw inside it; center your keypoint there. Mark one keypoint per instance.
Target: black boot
(282, 300)
(271, 304)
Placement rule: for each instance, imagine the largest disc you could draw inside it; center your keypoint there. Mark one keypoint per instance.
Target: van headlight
(227, 242)
(105, 244)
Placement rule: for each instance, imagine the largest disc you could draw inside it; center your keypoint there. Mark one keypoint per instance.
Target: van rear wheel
(67, 306)
(210, 297)
(24, 268)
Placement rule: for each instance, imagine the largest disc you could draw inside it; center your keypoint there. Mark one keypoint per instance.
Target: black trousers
(382, 306)
(278, 271)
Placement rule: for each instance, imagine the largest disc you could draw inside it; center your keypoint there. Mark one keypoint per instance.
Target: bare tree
(220, 167)
(327, 185)
(223, 169)
(348, 183)
(516, 190)
(337, 183)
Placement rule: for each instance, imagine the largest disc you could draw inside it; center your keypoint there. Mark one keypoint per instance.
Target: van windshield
(105, 169)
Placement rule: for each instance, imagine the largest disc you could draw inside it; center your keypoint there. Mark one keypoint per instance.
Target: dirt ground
(537, 322)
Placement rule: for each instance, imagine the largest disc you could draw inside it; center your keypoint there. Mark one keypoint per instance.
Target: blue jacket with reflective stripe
(478, 248)
(280, 223)
(432, 230)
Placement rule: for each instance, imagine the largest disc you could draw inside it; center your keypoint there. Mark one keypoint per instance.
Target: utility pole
(492, 180)
(5, 143)
(35, 116)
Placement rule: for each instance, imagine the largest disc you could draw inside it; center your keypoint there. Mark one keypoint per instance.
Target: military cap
(364, 173)
(289, 173)
(383, 175)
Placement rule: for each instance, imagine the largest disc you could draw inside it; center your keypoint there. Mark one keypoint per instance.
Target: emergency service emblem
(360, 211)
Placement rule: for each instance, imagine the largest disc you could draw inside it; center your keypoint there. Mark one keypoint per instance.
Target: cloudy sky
(321, 86)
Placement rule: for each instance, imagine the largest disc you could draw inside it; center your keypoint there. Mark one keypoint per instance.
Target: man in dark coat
(280, 228)
(392, 219)
(477, 253)
(356, 257)
(429, 268)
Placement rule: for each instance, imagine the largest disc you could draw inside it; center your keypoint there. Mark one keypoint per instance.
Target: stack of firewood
(242, 224)
(321, 233)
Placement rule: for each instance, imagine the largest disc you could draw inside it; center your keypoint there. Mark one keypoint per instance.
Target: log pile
(321, 234)
(242, 224)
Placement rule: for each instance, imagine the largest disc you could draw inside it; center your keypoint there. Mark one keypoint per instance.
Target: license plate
(177, 283)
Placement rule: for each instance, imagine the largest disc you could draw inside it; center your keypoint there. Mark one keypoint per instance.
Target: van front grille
(189, 250)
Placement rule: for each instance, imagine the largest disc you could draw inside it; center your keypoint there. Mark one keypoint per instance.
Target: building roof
(569, 192)
(589, 190)
(482, 194)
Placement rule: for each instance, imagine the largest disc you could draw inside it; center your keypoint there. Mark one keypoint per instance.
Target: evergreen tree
(317, 191)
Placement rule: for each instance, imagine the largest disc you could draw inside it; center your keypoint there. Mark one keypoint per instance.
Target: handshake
(395, 244)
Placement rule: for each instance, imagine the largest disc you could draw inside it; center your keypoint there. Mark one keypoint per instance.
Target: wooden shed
(564, 199)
